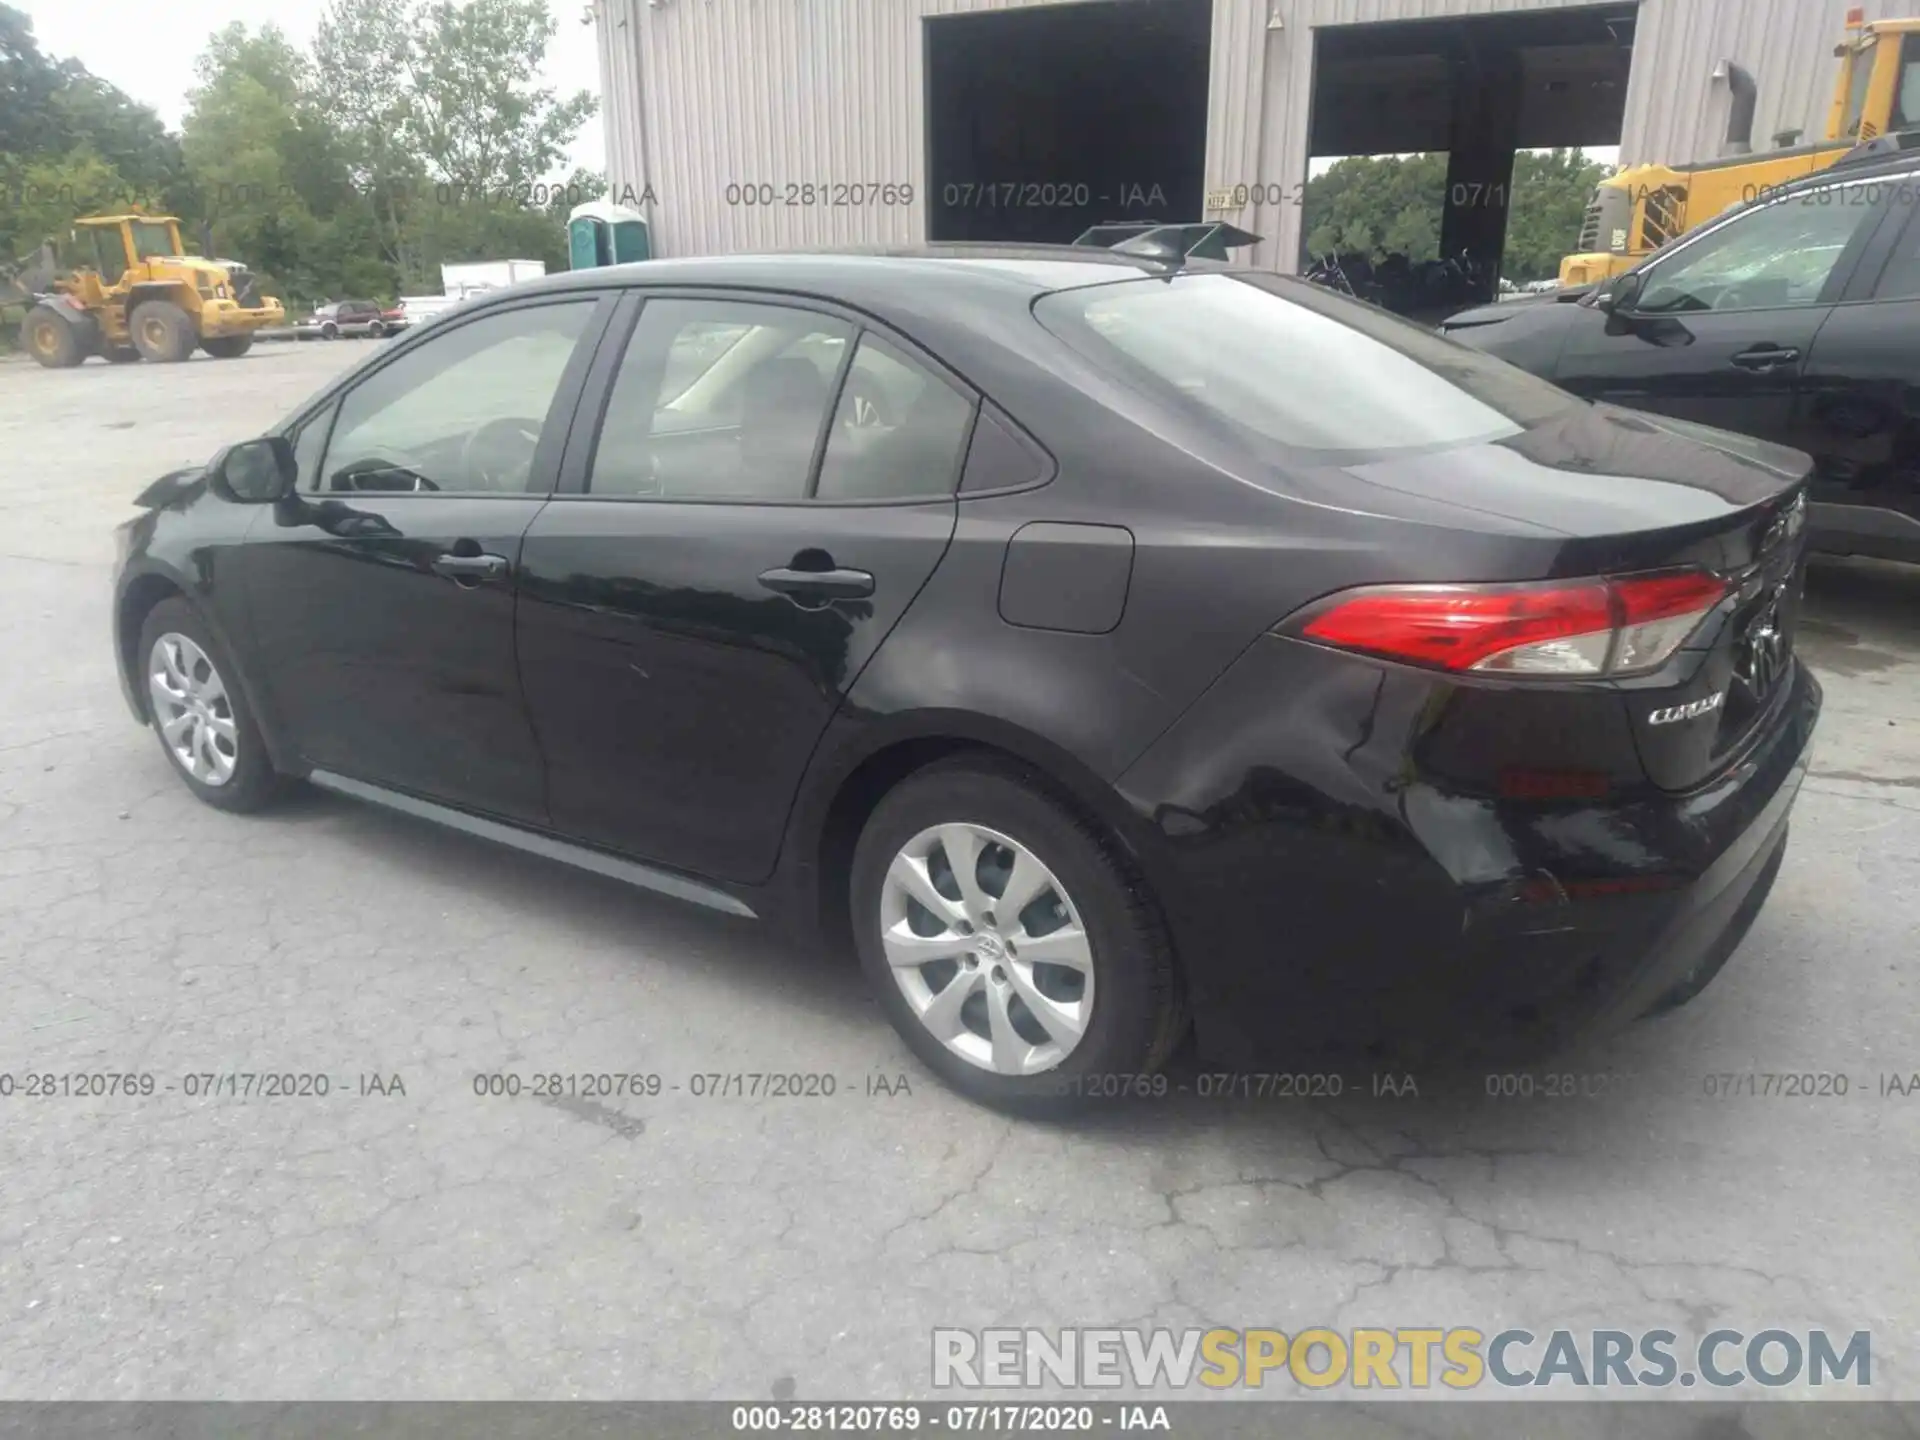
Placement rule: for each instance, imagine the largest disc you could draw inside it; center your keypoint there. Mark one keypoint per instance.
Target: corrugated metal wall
(733, 92)
(1674, 110)
(701, 95)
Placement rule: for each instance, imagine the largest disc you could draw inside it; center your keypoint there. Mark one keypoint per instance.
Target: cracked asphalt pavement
(437, 1243)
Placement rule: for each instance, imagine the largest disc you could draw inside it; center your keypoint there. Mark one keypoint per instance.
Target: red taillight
(1586, 627)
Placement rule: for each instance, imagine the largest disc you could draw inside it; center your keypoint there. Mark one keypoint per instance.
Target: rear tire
(198, 709)
(1107, 986)
(46, 335)
(162, 332)
(227, 347)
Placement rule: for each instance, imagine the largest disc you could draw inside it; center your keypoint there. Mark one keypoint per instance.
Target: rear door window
(720, 400)
(897, 432)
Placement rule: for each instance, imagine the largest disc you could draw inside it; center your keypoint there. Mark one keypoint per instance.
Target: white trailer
(474, 276)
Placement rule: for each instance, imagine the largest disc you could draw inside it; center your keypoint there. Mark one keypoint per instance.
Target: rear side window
(1284, 364)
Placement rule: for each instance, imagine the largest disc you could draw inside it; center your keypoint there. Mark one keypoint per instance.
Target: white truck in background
(474, 276)
(465, 279)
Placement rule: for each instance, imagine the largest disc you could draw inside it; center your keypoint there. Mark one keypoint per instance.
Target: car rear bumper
(1331, 907)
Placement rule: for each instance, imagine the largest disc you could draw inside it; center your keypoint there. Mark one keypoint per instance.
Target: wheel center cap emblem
(991, 948)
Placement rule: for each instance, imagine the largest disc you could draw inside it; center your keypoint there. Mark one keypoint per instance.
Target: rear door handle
(819, 584)
(1766, 357)
(466, 569)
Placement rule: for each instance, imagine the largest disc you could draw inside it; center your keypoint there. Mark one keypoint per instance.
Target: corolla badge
(1687, 711)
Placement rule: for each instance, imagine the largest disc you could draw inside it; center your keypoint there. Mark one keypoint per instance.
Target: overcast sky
(149, 51)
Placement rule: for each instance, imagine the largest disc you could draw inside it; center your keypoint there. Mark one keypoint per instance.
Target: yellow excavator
(1635, 212)
(130, 292)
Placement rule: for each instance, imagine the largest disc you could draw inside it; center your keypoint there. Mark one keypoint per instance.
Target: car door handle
(819, 584)
(1766, 357)
(471, 567)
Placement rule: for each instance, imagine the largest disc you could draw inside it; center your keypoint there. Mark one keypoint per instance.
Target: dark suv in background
(1795, 319)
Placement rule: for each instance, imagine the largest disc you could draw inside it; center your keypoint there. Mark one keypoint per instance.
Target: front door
(1722, 328)
(382, 591)
(1860, 400)
(770, 489)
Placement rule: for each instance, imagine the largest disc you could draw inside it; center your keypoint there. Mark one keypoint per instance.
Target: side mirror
(255, 472)
(1622, 294)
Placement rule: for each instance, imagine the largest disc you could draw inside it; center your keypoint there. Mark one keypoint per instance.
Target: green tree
(1548, 204)
(1377, 206)
(245, 146)
(1392, 204)
(362, 83)
(475, 115)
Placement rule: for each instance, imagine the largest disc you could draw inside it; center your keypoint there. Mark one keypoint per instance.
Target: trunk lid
(1630, 493)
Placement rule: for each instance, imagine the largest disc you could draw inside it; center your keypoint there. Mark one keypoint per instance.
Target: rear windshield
(1285, 363)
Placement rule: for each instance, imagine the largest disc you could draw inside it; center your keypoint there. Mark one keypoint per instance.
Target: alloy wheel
(987, 947)
(192, 709)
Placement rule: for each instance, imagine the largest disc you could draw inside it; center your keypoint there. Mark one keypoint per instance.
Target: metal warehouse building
(776, 124)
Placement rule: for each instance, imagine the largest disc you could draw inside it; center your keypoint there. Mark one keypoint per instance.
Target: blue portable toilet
(602, 233)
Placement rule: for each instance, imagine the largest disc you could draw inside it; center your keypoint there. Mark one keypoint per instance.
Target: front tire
(199, 711)
(227, 347)
(50, 339)
(162, 333)
(1008, 941)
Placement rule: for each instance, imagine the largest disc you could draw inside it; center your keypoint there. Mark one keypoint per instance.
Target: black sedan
(1087, 644)
(1791, 319)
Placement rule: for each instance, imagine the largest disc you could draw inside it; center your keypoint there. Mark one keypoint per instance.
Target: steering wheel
(375, 478)
(499, 455)
(867, 407)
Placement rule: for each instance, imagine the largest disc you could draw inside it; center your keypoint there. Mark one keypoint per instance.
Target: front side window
(1906, 96)
(1901, 279)
(107, 255)
(150, 240)
(308, 442)
(1859, 77)
(1286, 364)
(1779, 254)
(719, 400)
(462, 412)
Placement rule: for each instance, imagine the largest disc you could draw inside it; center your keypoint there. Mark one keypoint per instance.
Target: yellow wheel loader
(1635, 212)
(132, 293)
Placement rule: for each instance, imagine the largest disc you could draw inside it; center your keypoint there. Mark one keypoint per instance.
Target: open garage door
(1458, 98)
(1046, 120)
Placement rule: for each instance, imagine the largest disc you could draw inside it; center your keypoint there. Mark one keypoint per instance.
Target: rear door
(1723, 326)
(382, 591)
(1860, 400)
(756, 491)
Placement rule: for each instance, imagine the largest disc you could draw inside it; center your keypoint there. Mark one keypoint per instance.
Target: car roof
(1859, 164)
(941, 278)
